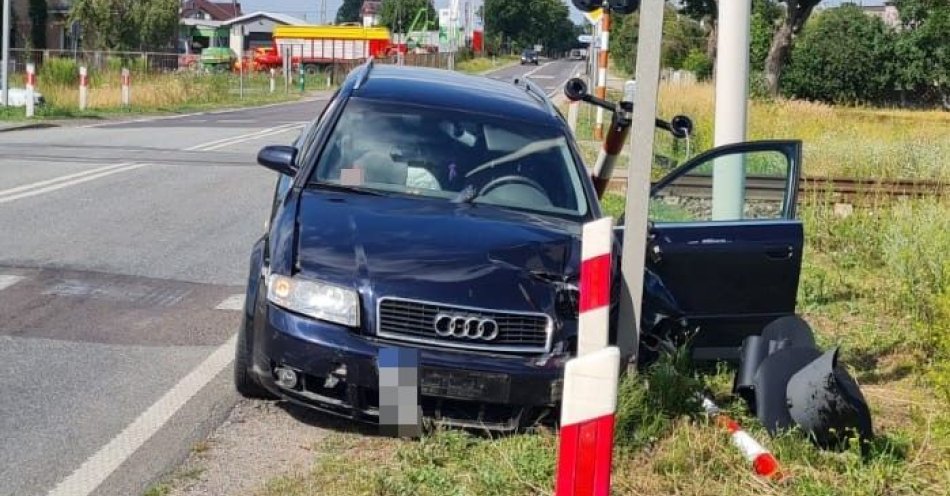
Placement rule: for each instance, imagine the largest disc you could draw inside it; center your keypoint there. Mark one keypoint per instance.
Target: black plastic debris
(788, 382)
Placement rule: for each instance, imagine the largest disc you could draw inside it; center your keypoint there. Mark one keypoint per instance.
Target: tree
(923, 48)
(127, 24)
(842, 57)
(766, 16)
(530, 22)
(349, 11)
(398, 15)
(38, 13)
(796, 15)
(707, 13)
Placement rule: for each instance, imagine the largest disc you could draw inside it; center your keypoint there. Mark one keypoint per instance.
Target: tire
(245, 382)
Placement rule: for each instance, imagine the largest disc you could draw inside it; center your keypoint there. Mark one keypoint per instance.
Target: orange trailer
(315, 46)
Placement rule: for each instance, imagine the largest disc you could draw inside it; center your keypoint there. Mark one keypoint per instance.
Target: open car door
(730, 270)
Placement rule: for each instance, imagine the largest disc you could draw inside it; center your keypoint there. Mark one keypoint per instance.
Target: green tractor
(218, 59)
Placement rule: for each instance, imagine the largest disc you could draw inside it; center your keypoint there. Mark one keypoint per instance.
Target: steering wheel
(512, 179)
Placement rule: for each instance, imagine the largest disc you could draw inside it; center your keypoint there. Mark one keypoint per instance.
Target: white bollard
(30, 89)
(273, 80)
(83, 88)
(126, 88)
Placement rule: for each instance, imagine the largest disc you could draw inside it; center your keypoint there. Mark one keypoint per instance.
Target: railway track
(823, 189)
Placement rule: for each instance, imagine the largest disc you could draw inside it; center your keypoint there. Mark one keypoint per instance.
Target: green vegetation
(525, 23)
(123, 25)
(479, 65)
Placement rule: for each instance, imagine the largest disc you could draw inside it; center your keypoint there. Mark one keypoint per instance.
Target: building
(208, 10)
(58, 33)
(256, 30)
(370, 12)
(887, 12)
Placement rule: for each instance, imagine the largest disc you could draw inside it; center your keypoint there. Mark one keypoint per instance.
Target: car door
(725, 241)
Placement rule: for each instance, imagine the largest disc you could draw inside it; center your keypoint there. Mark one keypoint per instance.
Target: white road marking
(56, 180)
(531, 72)
(543, 76)
(272, 132)
(232, 140)
(104, 462)
(7, 280)
(124, 167)
(233, 302)
(195, 114)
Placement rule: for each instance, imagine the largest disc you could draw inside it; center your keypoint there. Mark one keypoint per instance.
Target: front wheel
(245, 382)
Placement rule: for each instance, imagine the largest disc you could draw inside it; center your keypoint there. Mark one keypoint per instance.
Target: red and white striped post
(83, 88)
(603, 57)
(273, 80)
(30, 89)
(764, 463)
(589, 399)
(126, 87)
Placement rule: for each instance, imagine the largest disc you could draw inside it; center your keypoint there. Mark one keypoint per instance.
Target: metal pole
(638, 175)
(732, 92)
(4, 75)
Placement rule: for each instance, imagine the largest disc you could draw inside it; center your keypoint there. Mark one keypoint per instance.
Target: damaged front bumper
(337, 373)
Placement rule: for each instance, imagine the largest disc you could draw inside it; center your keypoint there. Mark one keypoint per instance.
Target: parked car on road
(442, 212)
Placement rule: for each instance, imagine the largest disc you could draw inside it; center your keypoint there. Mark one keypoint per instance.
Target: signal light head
(615, 6)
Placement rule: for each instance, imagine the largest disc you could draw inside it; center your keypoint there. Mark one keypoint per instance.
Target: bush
(61, 72)
(699, 64)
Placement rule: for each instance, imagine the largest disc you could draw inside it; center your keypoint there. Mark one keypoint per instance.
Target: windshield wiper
(345, 188)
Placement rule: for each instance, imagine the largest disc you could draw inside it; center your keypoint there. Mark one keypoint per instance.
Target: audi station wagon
(441, 212)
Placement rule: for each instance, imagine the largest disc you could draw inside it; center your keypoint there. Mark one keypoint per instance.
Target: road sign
(594, 16)
(585, 38)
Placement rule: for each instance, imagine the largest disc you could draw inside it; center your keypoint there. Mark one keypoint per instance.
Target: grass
(838, 141)
(156, 93)
(876, 283)
(480, 65)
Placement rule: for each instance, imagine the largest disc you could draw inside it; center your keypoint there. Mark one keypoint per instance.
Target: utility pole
(4, 76)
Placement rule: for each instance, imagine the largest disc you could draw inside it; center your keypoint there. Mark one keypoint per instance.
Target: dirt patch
(259, 441)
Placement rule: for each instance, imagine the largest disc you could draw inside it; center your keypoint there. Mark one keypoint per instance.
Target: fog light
(286, 378)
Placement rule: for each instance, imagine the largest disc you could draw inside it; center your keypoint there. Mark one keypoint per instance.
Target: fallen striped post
(589, 399)
(763, 462)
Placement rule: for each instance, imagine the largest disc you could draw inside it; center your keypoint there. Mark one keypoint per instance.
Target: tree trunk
(798, 13)
(712, 40)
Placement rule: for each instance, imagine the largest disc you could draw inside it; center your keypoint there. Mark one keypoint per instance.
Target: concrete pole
(638, 176)
(732, 93)
(4, 75)
(603, 58)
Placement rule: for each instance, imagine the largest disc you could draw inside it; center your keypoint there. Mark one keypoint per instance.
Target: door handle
(783, 252)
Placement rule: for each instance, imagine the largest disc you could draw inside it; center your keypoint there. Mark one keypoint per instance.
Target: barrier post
(83, 88)
(273, 80)
(589, 399)
(30, 90)
(126, 87)
(603, 60)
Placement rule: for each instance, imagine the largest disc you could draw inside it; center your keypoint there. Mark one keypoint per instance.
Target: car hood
(468, 255)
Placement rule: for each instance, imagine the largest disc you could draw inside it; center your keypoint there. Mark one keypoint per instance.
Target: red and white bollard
(30, 89)
(273, 80)
(589, 398)
(603, 59)
(763, 462)
(126, 87)
(83, 88)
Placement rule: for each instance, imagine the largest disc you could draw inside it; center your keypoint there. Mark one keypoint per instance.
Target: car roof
(455, 91)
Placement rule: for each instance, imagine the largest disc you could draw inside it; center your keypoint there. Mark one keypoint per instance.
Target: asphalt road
(123, 252)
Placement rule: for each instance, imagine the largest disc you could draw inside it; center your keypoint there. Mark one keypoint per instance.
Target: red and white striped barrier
(83, 88)
(30, 89)
(763, 462)
(603, 59)
(126, 87)
(589, 398)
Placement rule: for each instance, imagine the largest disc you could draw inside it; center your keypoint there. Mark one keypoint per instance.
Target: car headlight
(316, 299)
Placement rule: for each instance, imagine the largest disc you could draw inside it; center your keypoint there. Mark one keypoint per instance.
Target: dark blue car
(442, 212)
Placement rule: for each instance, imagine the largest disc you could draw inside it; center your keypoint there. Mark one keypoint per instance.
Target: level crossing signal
(614, 6)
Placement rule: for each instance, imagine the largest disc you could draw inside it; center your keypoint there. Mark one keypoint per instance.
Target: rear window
(452, 156)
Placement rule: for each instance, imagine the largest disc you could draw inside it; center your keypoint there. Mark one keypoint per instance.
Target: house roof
(276, 17)
(219, 11)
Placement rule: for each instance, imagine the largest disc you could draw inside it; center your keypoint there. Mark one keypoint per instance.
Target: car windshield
(452, 156)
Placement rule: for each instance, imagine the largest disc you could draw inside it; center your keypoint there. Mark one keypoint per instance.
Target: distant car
(430, 210)
(529, 57)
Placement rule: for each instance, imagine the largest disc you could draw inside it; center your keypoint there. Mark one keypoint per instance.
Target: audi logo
(465, 327)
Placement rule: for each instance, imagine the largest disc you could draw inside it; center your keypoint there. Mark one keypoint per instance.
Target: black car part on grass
(787, 381)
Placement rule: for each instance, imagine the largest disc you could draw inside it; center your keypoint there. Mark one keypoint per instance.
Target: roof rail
(364, 73)
(536, 91)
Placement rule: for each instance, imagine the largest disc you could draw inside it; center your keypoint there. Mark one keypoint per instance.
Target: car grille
(415, 321)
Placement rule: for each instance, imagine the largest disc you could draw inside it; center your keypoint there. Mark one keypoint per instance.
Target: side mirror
(682, 126)
(279, 158)
(623, 7)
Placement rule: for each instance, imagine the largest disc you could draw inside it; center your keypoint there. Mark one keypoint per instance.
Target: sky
(310, 9)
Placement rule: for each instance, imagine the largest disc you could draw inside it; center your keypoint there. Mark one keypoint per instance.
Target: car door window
(740, 186)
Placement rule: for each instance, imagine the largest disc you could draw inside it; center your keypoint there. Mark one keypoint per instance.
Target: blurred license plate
(465, 385)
